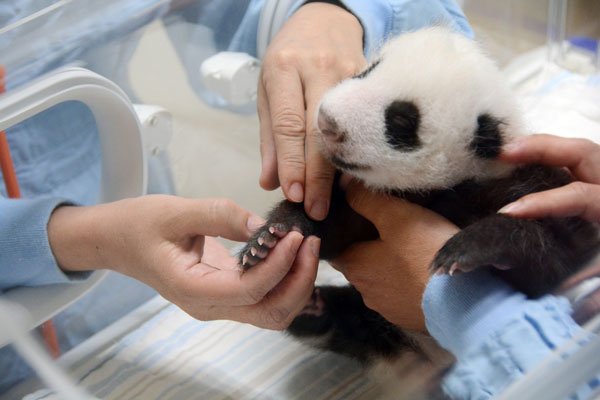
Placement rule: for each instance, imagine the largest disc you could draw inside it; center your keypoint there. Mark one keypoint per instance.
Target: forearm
(83, 238)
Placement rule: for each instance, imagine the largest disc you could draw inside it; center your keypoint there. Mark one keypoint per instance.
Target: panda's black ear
(487, 140)
(401, 125)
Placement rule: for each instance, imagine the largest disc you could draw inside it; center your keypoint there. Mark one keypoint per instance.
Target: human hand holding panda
(426, 122)
(580, 198)
(317, 47)
(391, 272)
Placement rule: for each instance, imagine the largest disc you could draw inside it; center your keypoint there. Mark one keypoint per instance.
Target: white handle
(123, 160)
(124, 171)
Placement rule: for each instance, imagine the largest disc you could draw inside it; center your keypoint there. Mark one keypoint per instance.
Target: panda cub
(426, 121)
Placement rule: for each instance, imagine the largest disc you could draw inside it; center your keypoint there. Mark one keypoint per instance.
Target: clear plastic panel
(570, 28)
(38, 36)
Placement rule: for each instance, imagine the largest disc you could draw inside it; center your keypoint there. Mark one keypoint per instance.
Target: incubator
(172, 102)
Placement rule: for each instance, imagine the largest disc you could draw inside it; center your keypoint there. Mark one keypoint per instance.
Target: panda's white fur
(451, 81)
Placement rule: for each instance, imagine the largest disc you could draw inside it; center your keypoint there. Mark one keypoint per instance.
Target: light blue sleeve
(27, 259)
(56, 155)
(382, 19)
(496, 333)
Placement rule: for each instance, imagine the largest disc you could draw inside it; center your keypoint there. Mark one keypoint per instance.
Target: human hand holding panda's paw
(319, 45)
(164, 241)
(580, 156)
(391, 272)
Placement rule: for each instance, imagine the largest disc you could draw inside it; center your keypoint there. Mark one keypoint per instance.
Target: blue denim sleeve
(382, 19)
(496, 333)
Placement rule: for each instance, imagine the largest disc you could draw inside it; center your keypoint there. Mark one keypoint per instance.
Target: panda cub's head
(429, 112)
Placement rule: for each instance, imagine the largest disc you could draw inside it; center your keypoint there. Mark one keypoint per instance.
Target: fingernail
(315, 246)
(296, 193)
(510, 208)
(255, 222)
(319, 209)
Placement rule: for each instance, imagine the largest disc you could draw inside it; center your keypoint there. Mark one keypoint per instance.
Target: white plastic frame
(124, 170)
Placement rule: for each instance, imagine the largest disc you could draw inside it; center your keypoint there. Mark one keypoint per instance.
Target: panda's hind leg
(336, 319)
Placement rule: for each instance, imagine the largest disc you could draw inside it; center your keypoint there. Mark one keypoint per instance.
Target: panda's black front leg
(532, 255)
(340, 229)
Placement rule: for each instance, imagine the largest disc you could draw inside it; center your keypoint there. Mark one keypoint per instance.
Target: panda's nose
(328, 127)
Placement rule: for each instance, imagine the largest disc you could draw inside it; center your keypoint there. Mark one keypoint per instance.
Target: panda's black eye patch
(401, 125)
(487, 140)
(367, 71)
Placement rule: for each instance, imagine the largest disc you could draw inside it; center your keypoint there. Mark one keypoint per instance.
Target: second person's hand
(580, 156)
(320, 45)
(392, 271)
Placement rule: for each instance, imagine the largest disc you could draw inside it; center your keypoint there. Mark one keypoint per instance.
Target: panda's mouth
(348, 166)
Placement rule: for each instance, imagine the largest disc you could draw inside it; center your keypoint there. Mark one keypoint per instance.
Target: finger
(581, 156)
(277, 308)
(392, 215)
(289, 297)
(219, 217)
(268, 175)
(263, 277)
(576, 199)
(376, 206)
(219, 285)
(286, 107)
(216, 255)
(319, 171)
(357, 258)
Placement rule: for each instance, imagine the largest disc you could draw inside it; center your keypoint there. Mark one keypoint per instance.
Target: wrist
(334, 13)
(77, 237)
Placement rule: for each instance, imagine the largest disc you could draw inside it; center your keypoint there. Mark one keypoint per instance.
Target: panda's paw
(466, 252)
(261, 243)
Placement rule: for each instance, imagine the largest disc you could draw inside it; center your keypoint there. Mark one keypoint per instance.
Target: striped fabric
(173, 356)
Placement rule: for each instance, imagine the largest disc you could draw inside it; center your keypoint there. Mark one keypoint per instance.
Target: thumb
(220, 217)
(381, 209)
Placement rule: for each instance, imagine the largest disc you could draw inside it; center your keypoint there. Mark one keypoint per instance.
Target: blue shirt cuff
(496, 333)
(27, 259)
(382, 19)
(465, 310)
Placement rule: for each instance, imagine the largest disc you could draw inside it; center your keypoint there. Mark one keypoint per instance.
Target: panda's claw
(259, 252)
(260, 244)
(278, 230)
(454, 270)
(266, 239)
